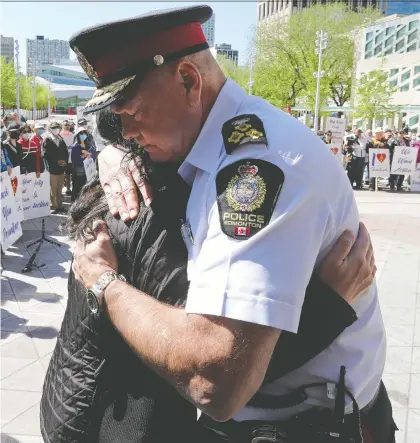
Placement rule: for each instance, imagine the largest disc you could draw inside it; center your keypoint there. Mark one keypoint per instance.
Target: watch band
(94, 295)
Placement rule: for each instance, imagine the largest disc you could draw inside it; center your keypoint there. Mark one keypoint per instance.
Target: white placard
(378, 162)
(404, 160)
(16, 180)
(337, 126)
(335, 148)
(415, 180)
(11, 229)
(36, 195)
(90, 168)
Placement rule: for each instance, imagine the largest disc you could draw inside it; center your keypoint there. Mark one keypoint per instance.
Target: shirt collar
(206, 150)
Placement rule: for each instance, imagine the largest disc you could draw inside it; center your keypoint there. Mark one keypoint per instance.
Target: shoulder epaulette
(242, 129)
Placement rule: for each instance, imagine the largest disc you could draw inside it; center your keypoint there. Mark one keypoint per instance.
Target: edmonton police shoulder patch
(247, 192)
(242, 129)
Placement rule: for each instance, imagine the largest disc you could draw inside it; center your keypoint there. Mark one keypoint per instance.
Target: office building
(65, 72)
(41, 51)
(393, 45)
(7, 48)
(282, 9)
(227, 51)
(406, 7)
(209, 29)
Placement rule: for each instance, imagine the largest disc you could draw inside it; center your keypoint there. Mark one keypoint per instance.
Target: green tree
(8, 83)
(373, 97)
(240, 74)
(286, 59)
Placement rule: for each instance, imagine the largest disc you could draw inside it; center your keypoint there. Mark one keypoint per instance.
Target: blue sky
(235, 20)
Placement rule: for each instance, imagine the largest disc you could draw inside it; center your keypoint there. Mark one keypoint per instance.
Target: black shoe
(400, 189)
(62, 210)
(68, 192)
(392, 188)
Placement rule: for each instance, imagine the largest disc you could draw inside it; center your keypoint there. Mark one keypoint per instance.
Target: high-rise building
(392, 44)
(406, 7)
(209, 30)
(285, 8)
(41, 51)
(228, 52)
(7, 48)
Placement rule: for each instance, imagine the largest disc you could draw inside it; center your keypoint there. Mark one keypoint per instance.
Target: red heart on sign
(334, 150)
(381, 157)
(14, 181)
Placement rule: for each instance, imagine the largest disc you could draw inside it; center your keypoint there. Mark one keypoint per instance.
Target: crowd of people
(57, 147)
(355, 151)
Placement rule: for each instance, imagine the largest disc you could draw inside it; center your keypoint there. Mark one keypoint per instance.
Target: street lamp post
(17, 78)
(321, 44)
(34, 92)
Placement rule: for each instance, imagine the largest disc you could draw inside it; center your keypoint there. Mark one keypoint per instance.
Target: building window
(389, 40)
(369, 36)
(413, 25)
(416, 82)
(393, 83)
(404, 88)
(390, 30)
(400, 45)
(368, 55)
(393, 72)
(402, 32)
(379, 37)
(389, 51)
(368, 46)
(416, 69)
(378, 49)
(412, 48)
(412, 36)
(413, 120)
(405, 76)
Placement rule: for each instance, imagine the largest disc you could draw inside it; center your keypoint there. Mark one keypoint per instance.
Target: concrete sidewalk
(33, 305)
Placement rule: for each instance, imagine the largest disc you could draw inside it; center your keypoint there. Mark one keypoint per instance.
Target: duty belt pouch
(379, 419)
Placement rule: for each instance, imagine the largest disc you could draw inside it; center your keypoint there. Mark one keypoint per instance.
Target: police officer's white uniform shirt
(263, 279)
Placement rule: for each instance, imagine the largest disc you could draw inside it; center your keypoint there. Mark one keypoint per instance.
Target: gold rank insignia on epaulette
(242, 129)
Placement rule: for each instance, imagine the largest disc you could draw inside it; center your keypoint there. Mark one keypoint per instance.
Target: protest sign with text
(337, 126)
(415, 180)
(404, 160)
(11, 229)
(378, 163)
(16, 180)
(36, 195)
(90, 168)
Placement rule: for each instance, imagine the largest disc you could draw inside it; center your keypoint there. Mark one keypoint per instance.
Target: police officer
(259, 220)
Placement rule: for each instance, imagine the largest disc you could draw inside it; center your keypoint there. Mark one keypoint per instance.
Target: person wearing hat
(80, 150)
(32, 155)
(254, 173)
(56, 156)
(12, 145)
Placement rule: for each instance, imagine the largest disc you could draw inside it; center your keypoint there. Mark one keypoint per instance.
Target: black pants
(396, 180)
(355, 171)
(78, 183)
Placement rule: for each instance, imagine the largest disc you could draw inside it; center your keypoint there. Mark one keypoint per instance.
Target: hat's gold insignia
(246, 191)
(86, 66)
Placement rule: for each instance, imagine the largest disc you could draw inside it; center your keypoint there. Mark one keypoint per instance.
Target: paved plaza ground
(33, 304)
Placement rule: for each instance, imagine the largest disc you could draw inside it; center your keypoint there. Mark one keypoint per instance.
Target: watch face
(92, 302)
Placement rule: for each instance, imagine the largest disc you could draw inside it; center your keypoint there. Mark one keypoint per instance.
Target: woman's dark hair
(91, 205)
(25, 128)
(77, 137)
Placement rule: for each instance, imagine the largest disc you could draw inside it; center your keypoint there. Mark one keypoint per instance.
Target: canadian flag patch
(242, 230)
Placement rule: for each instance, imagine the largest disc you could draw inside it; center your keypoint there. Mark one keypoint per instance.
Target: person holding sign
(56, 156)
(81, 150)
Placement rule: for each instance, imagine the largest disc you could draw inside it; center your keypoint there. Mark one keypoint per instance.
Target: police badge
(247, 192)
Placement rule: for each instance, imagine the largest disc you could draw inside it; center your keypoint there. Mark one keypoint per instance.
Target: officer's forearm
(205, 358)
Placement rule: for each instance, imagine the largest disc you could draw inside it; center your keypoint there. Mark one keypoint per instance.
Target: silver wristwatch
(95, 293)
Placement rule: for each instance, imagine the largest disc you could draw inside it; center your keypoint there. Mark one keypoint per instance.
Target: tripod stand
(31, 263)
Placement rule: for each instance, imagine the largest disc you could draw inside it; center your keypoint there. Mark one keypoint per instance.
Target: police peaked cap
(114, 54)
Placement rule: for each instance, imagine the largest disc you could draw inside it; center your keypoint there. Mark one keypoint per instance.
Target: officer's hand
(349, 268)
(120, 177)
(95, 256)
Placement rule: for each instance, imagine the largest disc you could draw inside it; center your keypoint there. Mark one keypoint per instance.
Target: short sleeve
(262, 279)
